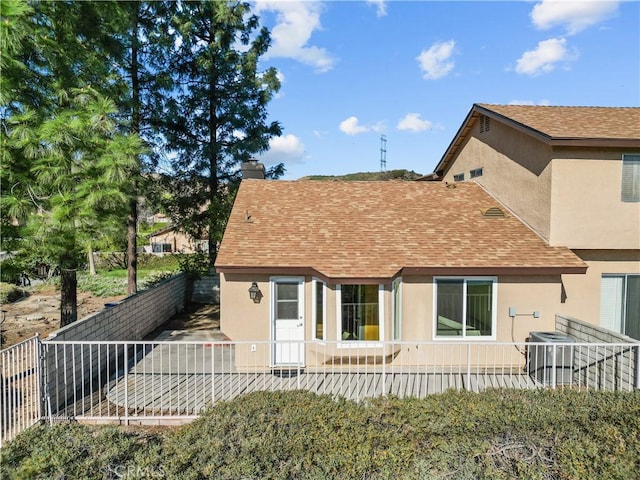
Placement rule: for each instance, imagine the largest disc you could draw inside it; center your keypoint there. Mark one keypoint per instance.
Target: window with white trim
(396, 309)
(620, 304)
(458, 177)
(319, 309)
(630, 178)
(359, 312)
(465, 307)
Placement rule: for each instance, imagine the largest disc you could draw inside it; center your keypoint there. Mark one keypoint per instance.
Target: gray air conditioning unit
(550, 360)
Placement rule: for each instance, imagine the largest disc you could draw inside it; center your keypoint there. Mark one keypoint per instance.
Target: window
(161, 247)
(630, 178)
(459, 177)
(476, 172)
(465, 307)
(620, 304)
(318, 309)
(359, 310)
(397, 309)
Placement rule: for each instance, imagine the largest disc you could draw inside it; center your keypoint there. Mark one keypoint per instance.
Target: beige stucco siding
(525, 293)
(516, 172)
(243, 320)
(583, 291)
(587, 211)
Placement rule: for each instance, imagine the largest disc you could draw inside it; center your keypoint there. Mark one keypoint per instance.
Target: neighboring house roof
(162, 231)
(365, 230)
(566, 126)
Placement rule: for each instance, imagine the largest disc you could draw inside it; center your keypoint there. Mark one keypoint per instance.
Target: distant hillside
(407, 175)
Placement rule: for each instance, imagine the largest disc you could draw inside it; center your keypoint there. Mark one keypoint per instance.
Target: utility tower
(383, 153)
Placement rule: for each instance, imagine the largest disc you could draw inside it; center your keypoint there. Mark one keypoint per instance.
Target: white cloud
(286, 149)
(413, 123)
(574, 16)
(544, 58)
(529, 102)
(381, 7)
(296, 22)
(320, 133)
(436, 61)
(350, 126)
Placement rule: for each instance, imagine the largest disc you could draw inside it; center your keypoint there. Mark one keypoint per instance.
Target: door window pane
(287, 301)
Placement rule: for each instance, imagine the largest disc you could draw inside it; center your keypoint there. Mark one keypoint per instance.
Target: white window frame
(621, 316)
(314, 313)
(494, 309)
(396, 309)
(359, 343)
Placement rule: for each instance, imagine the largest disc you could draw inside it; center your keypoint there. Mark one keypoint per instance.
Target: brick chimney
(252, 169)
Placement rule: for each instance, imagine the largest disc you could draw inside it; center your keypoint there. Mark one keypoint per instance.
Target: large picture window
(465, 307)
(359, 312)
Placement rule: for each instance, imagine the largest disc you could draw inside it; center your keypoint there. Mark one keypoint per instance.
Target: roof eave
(427, 270)
(498, 270)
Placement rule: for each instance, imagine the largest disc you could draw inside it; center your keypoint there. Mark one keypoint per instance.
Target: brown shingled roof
(376, 229)
(574, 122)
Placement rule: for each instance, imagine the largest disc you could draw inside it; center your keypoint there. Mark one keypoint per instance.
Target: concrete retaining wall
(622, 364)
(130, 320)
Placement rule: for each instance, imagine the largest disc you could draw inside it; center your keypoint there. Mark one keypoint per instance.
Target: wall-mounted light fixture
(254, 293)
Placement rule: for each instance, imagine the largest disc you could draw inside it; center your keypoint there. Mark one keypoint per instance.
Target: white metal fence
(20, 388)
(154, 382)
(151, 381)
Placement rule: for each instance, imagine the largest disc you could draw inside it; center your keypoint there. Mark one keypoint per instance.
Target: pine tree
(65, 167)
(217, 117)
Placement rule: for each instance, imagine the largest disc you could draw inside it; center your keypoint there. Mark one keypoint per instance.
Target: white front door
(288, 321)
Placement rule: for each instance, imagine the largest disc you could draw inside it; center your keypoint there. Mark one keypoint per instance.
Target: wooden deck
(187, 394)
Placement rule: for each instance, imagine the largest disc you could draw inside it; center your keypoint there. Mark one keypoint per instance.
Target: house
(351, 265)
(171, 240)
(572, 174)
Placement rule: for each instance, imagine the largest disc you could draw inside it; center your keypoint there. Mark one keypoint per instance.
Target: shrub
(75, 451)
(499, 434)
(10, 293)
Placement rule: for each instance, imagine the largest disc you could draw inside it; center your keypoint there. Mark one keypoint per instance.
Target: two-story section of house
(573, 175)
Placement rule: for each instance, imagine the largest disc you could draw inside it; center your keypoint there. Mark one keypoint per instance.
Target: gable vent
(493, 212)
(485, 124)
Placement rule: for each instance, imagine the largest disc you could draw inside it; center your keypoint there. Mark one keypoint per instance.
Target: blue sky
(411, 70)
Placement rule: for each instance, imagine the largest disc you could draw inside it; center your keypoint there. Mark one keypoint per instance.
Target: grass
(497, 434)
(107, 282)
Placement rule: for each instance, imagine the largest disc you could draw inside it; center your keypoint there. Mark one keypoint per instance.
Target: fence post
(468, 366)
(637, 385)
(384, 371)
(553, 367)
(126, 383)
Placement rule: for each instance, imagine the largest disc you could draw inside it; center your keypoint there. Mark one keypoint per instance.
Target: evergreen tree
(217, 115)
(65, 169)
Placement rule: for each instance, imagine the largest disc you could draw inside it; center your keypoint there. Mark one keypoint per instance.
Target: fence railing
(150, 381)
(20, 388)
(153, 382)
